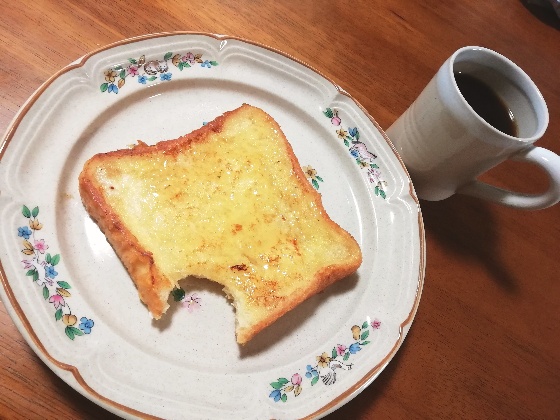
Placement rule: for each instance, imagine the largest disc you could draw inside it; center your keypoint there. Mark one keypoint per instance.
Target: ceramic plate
(77, 307)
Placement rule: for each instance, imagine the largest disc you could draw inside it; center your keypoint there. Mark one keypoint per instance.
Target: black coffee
(486, 103)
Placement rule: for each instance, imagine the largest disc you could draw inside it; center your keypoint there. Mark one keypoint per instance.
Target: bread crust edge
(139, 262)
(323, 278)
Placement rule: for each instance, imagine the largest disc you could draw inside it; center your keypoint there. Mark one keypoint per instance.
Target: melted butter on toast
(230, 203)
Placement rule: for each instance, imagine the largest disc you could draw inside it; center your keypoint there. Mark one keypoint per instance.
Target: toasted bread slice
(228, 202)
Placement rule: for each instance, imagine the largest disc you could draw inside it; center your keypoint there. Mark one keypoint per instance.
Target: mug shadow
(543, 11)
(466, 226)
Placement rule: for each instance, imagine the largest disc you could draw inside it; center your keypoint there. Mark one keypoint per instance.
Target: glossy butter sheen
(215, 213)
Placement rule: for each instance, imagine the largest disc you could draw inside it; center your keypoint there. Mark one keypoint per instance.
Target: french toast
(228, 202)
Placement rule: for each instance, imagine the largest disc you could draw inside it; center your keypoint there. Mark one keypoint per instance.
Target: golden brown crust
(153, 286)
(151, 283)
(322, 280)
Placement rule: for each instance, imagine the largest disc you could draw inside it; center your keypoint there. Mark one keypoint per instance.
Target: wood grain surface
(486, 340)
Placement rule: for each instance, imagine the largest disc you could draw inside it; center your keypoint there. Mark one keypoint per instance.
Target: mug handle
(547, 160)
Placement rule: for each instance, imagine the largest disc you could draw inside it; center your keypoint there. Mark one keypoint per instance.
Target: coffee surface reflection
(486, 103)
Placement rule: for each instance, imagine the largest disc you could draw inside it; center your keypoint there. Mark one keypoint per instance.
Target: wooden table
(486, 340)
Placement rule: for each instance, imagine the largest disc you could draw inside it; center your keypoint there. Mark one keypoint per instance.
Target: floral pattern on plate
(359, 151)
(147, 71)
(190, 302)
(41, 267)
(326, 364)
(311, 174)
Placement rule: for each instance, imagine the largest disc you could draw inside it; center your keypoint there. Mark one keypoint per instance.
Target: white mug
(445, 144)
